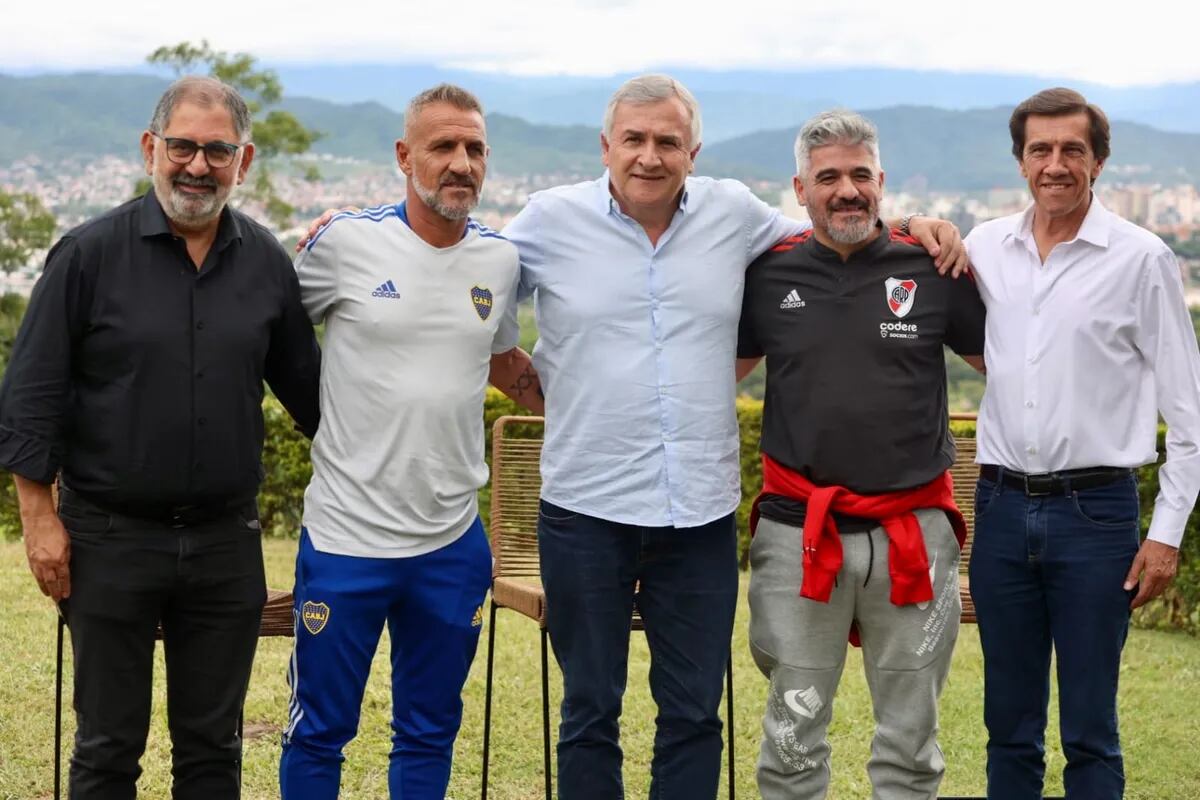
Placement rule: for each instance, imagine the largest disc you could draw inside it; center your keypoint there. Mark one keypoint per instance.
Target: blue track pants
(432, 605)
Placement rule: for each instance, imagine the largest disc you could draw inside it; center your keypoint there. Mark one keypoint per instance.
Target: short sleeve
(767, 226)
(317, 270)
(508, 332)
(748, 345)
(967, 317)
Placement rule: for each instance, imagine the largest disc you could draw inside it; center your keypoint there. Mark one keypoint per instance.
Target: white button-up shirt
(637, 347)
(1084, 351)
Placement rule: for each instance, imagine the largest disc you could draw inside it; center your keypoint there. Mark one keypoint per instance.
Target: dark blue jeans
(685, 582)
(1048, 573)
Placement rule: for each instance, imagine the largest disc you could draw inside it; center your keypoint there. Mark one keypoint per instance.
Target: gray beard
(854, 232)
(188, 211)
(452, 213)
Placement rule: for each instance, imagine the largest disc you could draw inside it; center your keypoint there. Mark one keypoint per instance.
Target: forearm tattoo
(525, 381)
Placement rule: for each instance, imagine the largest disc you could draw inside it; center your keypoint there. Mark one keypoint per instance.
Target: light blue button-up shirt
(637, 347)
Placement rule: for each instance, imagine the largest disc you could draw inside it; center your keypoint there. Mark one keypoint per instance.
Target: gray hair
(205, 92)
(652, 89)
(838, 126)
(456, 96)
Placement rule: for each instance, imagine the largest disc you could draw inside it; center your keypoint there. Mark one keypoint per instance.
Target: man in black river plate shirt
(136, 382)
(852, 318)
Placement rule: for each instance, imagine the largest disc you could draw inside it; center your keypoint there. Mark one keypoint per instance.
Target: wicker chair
(516, 581)
(276, 621)
(966, 473)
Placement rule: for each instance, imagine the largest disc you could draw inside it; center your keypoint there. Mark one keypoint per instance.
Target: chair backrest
(517, 484)
(516, 490)
(965, 472)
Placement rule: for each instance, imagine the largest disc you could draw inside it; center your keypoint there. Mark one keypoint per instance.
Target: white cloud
(590, 37)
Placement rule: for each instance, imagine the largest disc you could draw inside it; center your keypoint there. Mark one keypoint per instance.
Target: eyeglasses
(182, 151)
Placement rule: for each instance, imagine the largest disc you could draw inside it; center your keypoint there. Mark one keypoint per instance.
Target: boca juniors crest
(900, 294)
(314, 615)
(482, 300)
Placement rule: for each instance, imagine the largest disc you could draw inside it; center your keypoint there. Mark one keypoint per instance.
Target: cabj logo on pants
(315, 615)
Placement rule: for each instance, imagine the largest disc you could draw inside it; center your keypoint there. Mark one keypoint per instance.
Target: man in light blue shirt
(637, 279)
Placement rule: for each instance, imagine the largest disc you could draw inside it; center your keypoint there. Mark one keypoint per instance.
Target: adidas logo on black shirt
(792, 300)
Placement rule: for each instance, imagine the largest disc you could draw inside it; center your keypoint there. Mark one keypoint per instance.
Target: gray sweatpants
(800, 645)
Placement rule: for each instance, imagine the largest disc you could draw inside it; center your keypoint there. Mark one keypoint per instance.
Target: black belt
(175, 516)
(1048, 483)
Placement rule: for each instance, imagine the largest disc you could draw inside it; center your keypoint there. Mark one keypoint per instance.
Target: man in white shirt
(412, 296)
(1088, 341)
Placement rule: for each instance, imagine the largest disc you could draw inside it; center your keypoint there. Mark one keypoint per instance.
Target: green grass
(1160, 710)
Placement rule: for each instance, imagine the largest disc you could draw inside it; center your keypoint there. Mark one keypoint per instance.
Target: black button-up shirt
(141, 377)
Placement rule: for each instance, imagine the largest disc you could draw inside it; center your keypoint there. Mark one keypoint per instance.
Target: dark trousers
(686, 581)
(1048, 573)
(205, 584)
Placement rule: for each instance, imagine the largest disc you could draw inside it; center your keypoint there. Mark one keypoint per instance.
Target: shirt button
(199, 374)
(1029, 404)
(1031, 450)
(1036, 311)
(1031, 359)
(202, 421)
(200, 325)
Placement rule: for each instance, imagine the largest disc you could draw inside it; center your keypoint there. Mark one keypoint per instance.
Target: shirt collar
(609, 205)
(873, 249)
(1094, 230)
(1096, 225)
(154, 222)
(401, 209)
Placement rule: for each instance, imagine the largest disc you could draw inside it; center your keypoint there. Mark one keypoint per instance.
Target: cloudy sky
(1151, 41)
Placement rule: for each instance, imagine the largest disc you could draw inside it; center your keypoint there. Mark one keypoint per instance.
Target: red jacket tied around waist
(908, 563)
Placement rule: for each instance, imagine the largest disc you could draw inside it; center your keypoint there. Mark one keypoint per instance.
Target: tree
(25, 226)
(275, 133)
(12, 309)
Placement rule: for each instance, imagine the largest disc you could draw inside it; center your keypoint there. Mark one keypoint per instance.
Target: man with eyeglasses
(136, 383)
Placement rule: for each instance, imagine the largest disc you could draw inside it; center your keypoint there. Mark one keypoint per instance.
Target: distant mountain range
(933, 148)
(56, 116)
(737, 102)
(60, 116)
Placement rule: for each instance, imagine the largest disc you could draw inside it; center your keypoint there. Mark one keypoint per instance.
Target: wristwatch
(906, 223)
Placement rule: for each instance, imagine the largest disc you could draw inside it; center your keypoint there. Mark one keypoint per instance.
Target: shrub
(287, 471)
